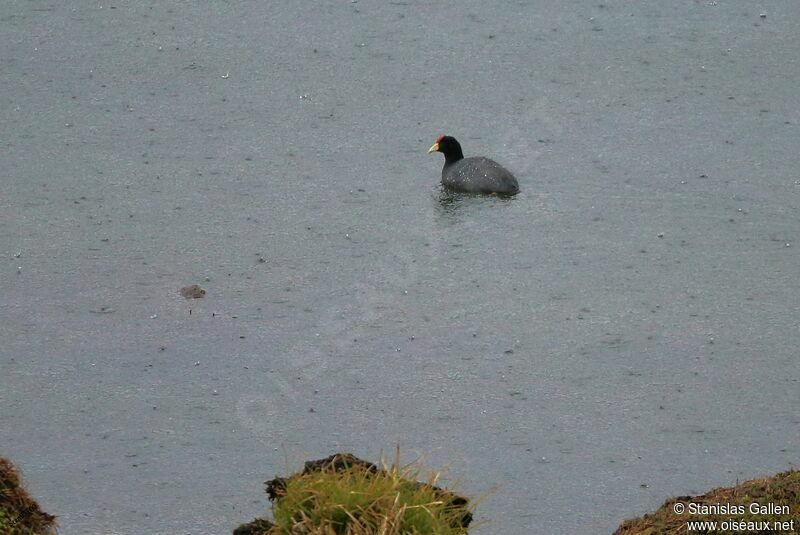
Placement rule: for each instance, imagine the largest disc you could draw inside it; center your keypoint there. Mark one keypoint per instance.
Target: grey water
(623, 330)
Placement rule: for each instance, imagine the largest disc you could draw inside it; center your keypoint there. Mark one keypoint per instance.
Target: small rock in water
(193, 292)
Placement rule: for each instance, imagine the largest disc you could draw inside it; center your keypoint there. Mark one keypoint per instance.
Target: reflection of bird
(475, 174)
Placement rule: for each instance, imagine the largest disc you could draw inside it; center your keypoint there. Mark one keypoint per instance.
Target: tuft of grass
(19, 513)
(782, 489)
(343, 495)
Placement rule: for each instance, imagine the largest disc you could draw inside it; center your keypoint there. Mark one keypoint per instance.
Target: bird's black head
(448, 146)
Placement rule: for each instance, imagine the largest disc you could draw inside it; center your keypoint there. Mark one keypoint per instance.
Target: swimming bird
(476, 174)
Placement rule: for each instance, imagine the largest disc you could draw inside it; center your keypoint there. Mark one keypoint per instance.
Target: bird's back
(479, 175)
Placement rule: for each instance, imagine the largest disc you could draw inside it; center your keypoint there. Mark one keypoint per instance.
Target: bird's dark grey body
(473, 175)
(479, 175)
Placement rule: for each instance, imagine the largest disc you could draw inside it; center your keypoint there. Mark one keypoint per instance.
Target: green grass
(360, 501)
(5, 522)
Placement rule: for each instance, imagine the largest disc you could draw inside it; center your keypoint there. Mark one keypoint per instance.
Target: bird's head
(448, 146)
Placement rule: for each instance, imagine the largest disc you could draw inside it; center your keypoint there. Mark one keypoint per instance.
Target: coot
(475, 174)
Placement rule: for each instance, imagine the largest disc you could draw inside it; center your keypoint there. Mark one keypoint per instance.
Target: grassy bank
(346, 495)
(777, 499)
(19, 513)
